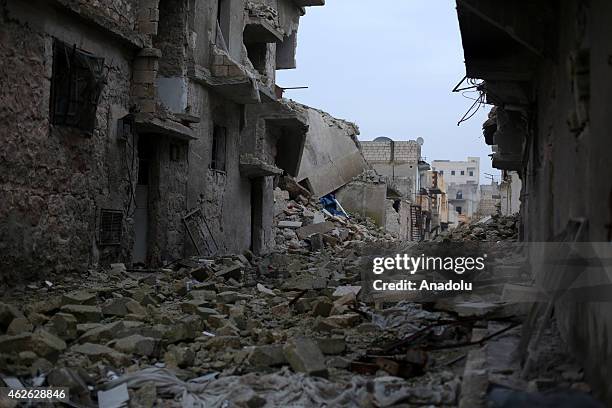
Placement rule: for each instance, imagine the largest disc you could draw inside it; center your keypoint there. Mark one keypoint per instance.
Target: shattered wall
(366, 199)
(398, 161)
(331, 155)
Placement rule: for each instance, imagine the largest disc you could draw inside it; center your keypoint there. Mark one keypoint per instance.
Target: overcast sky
(389, 66)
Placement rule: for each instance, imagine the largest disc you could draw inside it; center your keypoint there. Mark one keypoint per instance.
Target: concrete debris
(492, 229)
(304, 356)
(302, 307)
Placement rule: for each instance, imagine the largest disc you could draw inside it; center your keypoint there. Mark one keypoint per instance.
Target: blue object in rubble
(329, 203)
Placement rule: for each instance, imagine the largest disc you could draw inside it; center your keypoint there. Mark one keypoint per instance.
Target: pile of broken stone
(219, 331)
(291, 328)
(489, 229)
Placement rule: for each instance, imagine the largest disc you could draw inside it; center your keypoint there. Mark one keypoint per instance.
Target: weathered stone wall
(54, 179)
(224, 197)
(568, 174)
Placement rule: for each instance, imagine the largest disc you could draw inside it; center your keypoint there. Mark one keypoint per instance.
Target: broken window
(76, 85)
(458, 209)
(462, 173)
(219, 146)
(110, 227)
(459, 195)
(452, 172)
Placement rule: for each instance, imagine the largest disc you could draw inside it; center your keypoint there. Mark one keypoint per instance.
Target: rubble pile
(302, 224)
(490, 229)
(291, 328)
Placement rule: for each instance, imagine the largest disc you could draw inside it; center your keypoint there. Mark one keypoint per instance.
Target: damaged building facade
(547, 69)
(140, 131)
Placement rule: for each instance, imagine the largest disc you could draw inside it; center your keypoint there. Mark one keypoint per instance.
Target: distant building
(397, 161)
(462, 180)
(459, 172)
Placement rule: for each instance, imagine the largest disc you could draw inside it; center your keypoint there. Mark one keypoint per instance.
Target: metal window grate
(110, 227)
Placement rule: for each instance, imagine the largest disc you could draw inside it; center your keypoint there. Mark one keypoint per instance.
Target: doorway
(142, 199)
(257, 230)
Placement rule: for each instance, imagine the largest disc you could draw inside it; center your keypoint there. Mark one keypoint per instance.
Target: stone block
(304, 356)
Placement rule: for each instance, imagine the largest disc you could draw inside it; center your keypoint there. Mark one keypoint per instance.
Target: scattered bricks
(179, 357)
(205, 312)
(320, 228)
(100, 353)
(41, 342)
(84, 313)
(304, 356)
(322, 307)
(233, 271)
(203, 295)
(79, 297)
(222, 343)
(116, 307)
(342, 304)
(102, 333)
(338, 322)
(19, 325)
(216, 321)
(136, 344)
(135, 308)
(344, 290)
(188, 328)
(228, 297)
(290, 224)
(332, 345)
(316, 242)
(270, 355)
(44, 306)
(64, 325)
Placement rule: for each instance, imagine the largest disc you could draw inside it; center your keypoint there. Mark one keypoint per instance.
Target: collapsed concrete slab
(331, 155)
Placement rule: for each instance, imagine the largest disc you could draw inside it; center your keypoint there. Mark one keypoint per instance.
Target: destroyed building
(546, 68)
(490, 200)
(143, 130)
(510, 193)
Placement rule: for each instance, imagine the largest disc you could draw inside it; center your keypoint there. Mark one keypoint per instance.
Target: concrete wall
(398, 161)
(331, 154)
(366, 199)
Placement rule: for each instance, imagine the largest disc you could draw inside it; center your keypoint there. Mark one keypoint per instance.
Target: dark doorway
(257, 230)
(145, 184)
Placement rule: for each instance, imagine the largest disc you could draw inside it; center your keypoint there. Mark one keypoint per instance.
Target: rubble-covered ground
(290, 329)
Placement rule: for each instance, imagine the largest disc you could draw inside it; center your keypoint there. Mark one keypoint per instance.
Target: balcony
(232, 80)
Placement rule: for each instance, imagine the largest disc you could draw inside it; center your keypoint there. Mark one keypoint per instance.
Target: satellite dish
(420, 141)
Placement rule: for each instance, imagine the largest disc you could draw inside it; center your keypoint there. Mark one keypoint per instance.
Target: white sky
(390, 66)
